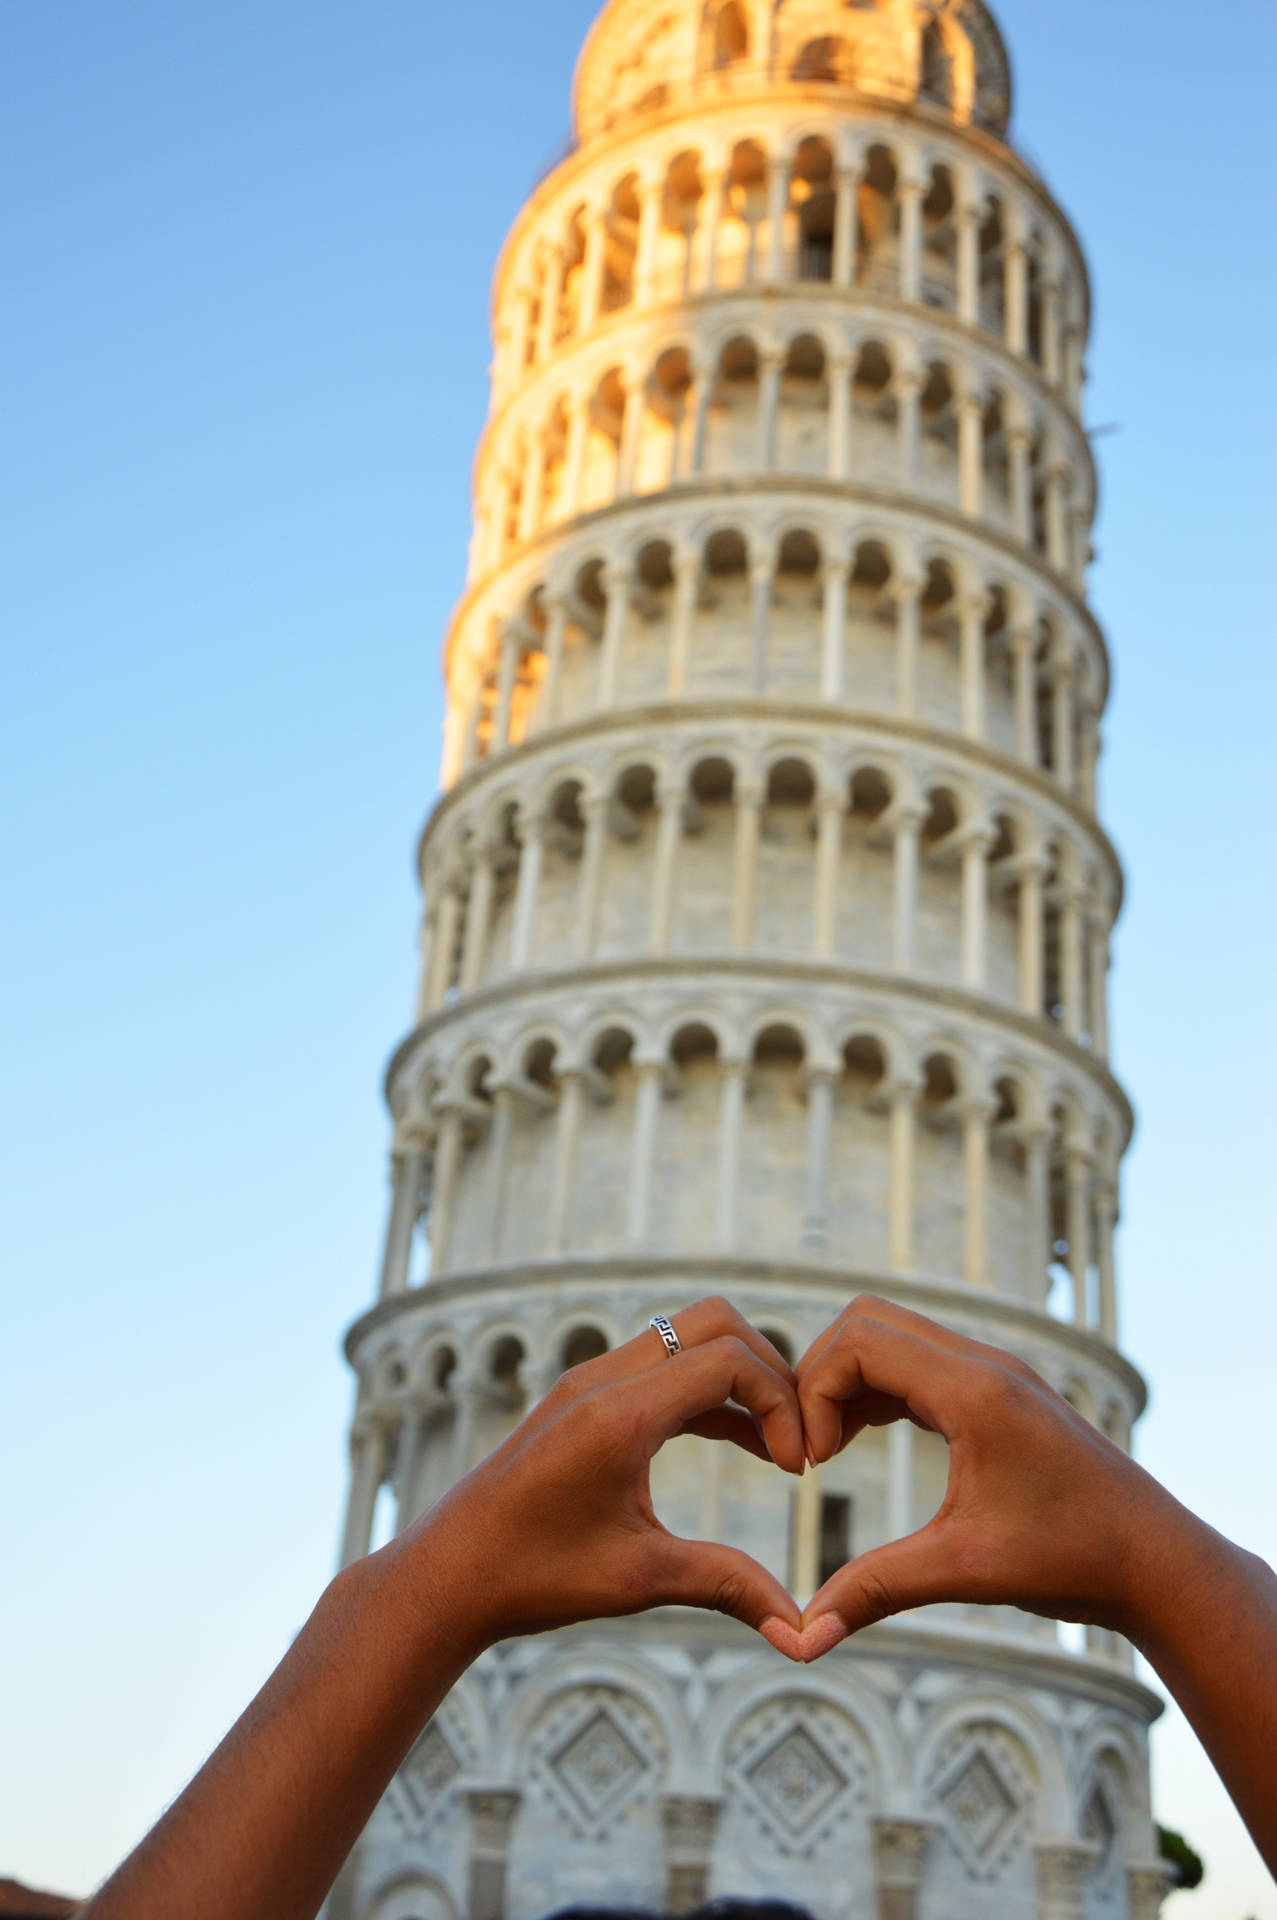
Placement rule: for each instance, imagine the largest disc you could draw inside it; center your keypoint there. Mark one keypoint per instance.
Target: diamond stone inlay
(429, 1770)
(796, 1779)
(980, 1803)
(599, 1764)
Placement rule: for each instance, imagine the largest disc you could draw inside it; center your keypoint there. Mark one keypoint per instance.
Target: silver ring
(665, 1328)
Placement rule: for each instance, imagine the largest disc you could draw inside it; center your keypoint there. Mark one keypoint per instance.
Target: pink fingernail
(824, 1633)
(786, 1639)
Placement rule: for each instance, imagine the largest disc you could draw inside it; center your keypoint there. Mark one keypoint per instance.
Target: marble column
(1105, 1228)
(830, 809)
(908, 827)
(1062, 684)
(650, 193)
(574, 458)
(688, 1826)
(1078, 1190)
(749, 807)
(547, 713)
(408, 1180)
(507, 672)
(1016, 295)
(900, 1174)
(834, 630)
(616, 585)
(1020, 483)
(910, 195)
(369, 1456)
(975, 906)
(567, 1133)
(908, 624)
(846, 189)
(647, 1105)
(1025, 693)
(474, 946)
(532, 831)
(492, 1813)
(1072, 905)
(769, 371)
(592, 268)
(718, 192)
(971, 453)
(1037, 1204)
(761, 573)
(820, 1140)
(687, 579)
(777, 208)
(976, 1116)
(1098, 970)
(1057, 540)
(665, 865)
(595, 808)
(731, 1115)
(551, 294)
(1062, 1871)
(443, 952)
(907, 388)
(703, 383)
(973, 610)
(900, 1851)
(840, 367)
(969, 263)
(447, 1168)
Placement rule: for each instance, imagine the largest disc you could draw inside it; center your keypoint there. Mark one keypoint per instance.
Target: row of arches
(793, 609)
(871, 407)
(879, 866)
(892, 217)
(781, 1133)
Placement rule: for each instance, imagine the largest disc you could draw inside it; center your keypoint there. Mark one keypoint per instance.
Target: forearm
(1207, 1622)
(262, 1829)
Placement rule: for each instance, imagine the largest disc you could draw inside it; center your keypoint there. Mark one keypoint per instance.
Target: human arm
(555, 1526)
(1042, 1511)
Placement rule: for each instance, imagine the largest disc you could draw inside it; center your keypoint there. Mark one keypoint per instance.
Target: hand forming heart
(558, 1525)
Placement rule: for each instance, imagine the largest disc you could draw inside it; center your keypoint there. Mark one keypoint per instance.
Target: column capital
(979, 836)
(904, 1091)
(749, 792)
(831, 799)
(978, 1108)
(907, 586)
(900, 1847)
(616, 576)
(821, 1071)
(908, 380)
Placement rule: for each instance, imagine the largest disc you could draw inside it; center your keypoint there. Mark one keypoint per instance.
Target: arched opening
(828, 58)
(664, 449)
(812, 193)
(620, 246)
(604, 432)
(744, 213)
(730, 36)
(935, 67)
(582, 1345)
(938, 424)
(680, 220)
(875, 439)
(940, 242)
(878, 222)
(705, 900)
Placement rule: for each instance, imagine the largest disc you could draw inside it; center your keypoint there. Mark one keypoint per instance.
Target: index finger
(685, 1386)
(866, 1356)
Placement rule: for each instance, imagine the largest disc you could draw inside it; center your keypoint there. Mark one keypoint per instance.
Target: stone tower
(766, 941)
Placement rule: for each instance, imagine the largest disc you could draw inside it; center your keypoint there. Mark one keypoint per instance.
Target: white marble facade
(765, 952)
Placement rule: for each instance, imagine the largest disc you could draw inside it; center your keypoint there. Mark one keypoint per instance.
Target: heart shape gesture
(557, 1525)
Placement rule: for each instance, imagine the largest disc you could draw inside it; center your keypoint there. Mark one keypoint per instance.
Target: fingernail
(786, 1639)
(824, 1633)
(811, 1458)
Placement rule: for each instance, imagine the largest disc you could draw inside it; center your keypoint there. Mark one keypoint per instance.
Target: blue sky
(244, 353)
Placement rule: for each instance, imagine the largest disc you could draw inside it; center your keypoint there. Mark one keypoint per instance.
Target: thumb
(912, 1572)
(704, 1573)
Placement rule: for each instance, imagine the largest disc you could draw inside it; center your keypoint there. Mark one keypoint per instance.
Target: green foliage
(1190, 1870)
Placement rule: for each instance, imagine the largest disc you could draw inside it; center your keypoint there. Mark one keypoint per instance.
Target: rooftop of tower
(641, 55)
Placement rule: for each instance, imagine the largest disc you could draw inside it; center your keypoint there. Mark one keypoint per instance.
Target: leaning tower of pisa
(765, 952)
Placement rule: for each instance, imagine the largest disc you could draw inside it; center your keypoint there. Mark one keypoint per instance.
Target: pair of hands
(557, 1525)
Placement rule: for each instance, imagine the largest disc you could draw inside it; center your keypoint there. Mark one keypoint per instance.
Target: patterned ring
(665, 1328)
